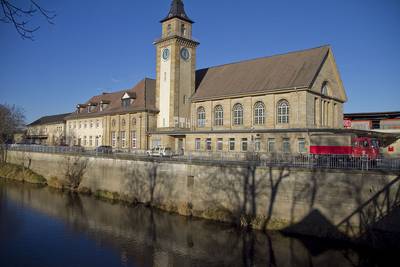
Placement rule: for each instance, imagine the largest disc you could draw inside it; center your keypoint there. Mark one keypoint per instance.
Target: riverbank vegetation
(20, 173)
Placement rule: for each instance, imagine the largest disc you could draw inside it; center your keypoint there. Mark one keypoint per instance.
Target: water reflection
(143, 237)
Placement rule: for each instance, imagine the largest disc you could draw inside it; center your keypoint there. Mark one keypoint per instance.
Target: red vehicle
(351, 145)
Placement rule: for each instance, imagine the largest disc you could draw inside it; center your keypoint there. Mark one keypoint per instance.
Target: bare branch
(49, 15)
(20, 17)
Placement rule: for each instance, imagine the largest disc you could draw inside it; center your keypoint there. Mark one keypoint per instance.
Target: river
(42, 227)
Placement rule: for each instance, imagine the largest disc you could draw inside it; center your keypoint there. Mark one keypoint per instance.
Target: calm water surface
(42, 227)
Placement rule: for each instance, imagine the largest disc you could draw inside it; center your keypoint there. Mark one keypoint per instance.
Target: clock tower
(176, 67)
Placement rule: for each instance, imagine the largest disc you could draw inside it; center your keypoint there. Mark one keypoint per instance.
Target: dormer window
(91, 107)
(80, 108)
(126, 103)
(127, 99)
(104, 104)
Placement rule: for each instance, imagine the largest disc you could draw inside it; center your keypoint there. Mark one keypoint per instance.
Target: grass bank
(20, 173)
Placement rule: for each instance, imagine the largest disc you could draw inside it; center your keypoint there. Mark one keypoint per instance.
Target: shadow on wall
(375, 222)
(249, 196)
(144, 185)
(236, 193)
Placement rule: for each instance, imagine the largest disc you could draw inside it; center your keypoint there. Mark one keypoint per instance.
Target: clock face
(185, 54)
(165, 54)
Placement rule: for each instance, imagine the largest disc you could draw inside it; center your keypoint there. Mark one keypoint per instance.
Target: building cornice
(259, 93)
(179, 39)
(88, 116)
(259, 131)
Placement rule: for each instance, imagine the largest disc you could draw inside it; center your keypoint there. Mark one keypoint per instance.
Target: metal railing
(259, 159)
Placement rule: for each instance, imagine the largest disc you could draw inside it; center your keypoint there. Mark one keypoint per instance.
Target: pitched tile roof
(296, 69)
(144, 93)
(53, 119)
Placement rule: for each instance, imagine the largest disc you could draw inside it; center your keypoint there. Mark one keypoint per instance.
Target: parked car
(104, 149)
(160, 152)
(78, 148)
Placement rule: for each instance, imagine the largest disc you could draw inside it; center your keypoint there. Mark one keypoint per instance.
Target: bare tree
(75, 168)
(21, 17)
(12, 119)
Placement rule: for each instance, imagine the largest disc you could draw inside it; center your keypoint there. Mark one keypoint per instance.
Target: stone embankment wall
(327, 203)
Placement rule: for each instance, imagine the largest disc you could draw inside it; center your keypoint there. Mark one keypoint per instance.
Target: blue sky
(99, 45)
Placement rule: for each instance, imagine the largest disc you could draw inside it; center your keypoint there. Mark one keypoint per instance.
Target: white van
(160, 151)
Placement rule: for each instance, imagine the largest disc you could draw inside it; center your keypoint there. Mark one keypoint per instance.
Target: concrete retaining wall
(337, 204)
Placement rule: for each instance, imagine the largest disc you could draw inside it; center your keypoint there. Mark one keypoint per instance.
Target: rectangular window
(286, 145)
(257, 145)
(113, 139)
(244, 144)
(197, 144)
(90, 140)
(208, 144)
(134, 140)
(84, 141)
(232, 144)
(220, 144)
(126, 103)
(97, 124)
(156, 143)
(97, 141)
(271, 145)
(302, 145)
(123, 139)
(91, 124)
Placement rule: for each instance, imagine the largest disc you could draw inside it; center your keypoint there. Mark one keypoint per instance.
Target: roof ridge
(61, 114)
(265, 57)
(123, 90)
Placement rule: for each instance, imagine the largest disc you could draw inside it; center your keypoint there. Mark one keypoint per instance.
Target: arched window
(201, 117)
(134, 121)
(183, 29)
(283, 111)
(325, 89)
(218, 115)
(259, 113)
(237, 114)
(123, 122)
(169, 29)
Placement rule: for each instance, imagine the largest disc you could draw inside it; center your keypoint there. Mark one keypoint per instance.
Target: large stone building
(119, 119)
(48, 130)
(266, 104)
(270, 104)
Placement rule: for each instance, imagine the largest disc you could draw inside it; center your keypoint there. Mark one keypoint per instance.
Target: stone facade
(51, 134)
(317, 105)
(275, 113)
(85, 132)
(128, 131)
(175, 73)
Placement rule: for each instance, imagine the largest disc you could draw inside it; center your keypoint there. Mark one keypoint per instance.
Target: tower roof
(177, 11)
